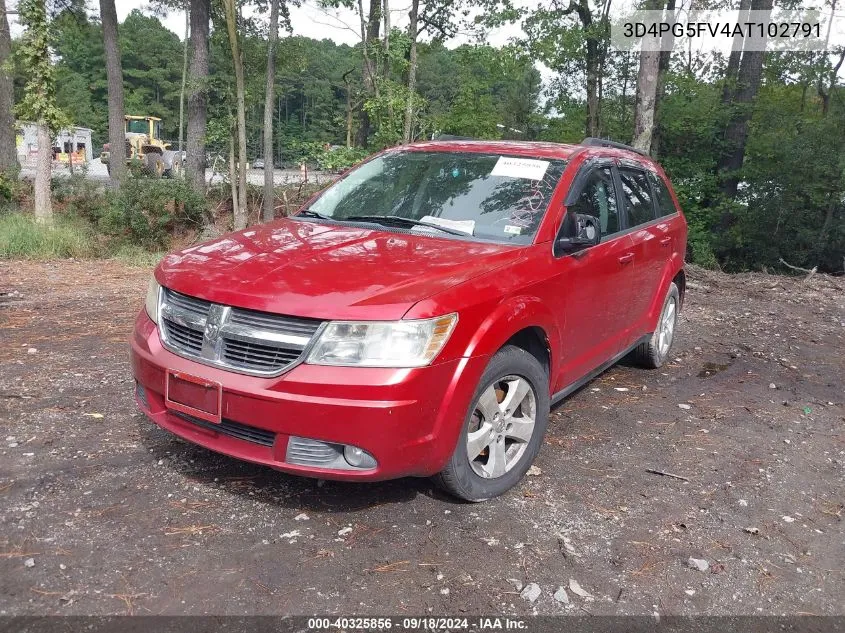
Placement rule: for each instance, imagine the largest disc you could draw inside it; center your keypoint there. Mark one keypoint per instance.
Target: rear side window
(637, 196)
(665, 204)
(599, 200)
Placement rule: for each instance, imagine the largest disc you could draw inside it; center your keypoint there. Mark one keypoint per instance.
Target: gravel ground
(103, 513)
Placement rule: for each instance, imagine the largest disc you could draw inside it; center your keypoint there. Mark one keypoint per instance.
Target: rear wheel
(654, 352)
(503, 430)
(175, 170)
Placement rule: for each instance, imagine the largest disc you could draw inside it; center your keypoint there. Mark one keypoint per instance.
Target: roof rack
(600, 142)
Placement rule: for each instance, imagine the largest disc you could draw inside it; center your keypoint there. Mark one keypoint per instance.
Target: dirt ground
(101, 512)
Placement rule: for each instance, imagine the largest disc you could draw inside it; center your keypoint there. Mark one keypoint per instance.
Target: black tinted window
(599, 199)
(637, 196)
(665, 204)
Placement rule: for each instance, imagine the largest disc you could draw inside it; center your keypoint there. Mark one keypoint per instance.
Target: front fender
(512, 316)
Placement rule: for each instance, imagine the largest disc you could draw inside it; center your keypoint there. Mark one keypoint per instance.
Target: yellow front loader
(144, 144)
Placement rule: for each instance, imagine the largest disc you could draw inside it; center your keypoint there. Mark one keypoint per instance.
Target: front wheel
(503, 430)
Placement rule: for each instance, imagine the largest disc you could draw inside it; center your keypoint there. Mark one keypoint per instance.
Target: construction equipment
(145, 145)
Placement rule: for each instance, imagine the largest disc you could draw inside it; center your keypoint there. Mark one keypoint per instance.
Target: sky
(310, 20)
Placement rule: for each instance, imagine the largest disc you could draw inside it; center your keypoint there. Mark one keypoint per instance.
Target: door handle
(627, 258)
(666, 241)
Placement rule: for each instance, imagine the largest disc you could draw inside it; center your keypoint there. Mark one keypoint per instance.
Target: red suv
(419, 316)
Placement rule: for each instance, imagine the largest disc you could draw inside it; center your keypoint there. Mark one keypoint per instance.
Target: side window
(665, 204)
(599, 200)
(637, 196)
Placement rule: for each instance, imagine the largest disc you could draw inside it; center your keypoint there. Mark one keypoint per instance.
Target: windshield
(488, 196)
(137, 126)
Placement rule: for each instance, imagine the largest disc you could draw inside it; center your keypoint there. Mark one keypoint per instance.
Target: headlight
(382, 343)
(153, 290)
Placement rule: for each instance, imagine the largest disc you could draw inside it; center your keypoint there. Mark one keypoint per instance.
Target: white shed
(75, 141)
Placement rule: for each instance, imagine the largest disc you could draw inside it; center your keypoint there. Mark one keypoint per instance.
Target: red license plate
(193, 395)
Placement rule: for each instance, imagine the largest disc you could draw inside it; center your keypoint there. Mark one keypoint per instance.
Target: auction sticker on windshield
(520, 168)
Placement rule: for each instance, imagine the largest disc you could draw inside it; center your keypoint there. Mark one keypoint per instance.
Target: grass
(21, 237)
(133, 255)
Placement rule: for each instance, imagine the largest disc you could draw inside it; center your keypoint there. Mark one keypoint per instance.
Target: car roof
(529, 149)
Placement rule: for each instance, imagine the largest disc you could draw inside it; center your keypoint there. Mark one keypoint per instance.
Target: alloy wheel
(666, 327)
(501, 426)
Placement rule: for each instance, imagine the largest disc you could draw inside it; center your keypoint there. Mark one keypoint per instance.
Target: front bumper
(407, 419)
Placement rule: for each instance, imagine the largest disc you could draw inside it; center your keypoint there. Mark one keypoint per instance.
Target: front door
(593, 284)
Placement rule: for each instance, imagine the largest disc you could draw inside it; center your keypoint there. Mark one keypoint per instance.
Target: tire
(465, 478)
(654, 352)
(175, 170)
(154, 164)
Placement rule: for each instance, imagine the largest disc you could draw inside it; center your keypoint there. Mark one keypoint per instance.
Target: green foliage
(33, 53)
(78, 195)
(22, 238)
(340, 158)
(147, 211)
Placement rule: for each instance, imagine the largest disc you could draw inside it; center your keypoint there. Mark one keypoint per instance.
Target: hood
(325, 271)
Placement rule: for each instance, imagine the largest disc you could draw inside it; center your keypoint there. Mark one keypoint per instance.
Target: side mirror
(585, 231)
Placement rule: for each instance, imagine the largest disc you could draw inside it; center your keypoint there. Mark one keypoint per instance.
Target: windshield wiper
(308, 213)
(387, 220)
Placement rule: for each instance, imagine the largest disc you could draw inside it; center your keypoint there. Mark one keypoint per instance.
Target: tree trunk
(184, 82)
(348, 107)
(8, 151)
(732, 68)
(408, 134)
(114, 74)
(240, 95)
(646, 99)
(662, 69)
(592, 128)
(736, 135)
(233, 176)
(43, 175)
(197, 97)
(269, 207)
(369, 33)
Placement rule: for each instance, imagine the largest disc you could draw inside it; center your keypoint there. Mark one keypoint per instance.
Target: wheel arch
(525, 322)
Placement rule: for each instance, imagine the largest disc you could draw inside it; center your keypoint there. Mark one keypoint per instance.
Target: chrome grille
(247, 341)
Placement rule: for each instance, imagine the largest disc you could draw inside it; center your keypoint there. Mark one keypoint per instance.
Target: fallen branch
(665, 474)
(810, 272)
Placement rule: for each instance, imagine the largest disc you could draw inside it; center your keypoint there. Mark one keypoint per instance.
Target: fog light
(358, 457)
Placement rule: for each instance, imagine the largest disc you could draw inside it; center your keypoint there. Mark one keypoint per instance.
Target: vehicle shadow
(266, 485)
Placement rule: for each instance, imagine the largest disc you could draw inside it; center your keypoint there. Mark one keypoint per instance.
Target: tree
(39, 98)
(646, 96)
(239, 204)
(114, 72)
(197, 98)
(369, 36)
(269, 202)
(741, 98)
(407, 135)
(575, 49)
(8, 154)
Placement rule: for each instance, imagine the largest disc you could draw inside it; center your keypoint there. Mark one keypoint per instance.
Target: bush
(79, 196)
(147, 211)
(340, 158)
(21, 237)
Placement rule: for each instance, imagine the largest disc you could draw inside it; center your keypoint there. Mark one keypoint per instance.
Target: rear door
(592, 281)
(651, 242)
